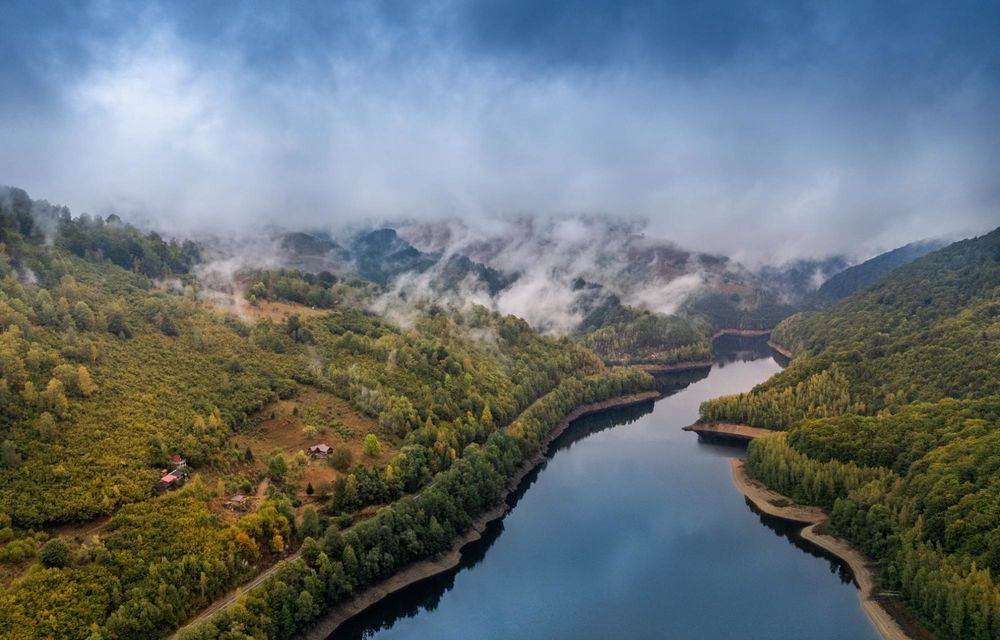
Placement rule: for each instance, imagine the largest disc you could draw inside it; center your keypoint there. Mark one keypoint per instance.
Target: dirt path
(262, 490)
(780, 506)
(230, 598)
(420, 570)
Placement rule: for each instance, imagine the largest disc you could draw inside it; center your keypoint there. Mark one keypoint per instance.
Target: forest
(113, 366)
(890, 409)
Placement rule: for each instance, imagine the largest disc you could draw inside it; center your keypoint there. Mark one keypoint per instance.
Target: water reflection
(629, 532)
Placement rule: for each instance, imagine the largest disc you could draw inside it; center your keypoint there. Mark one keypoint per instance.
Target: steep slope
(892, 406)
(111, 365)
(860, 276)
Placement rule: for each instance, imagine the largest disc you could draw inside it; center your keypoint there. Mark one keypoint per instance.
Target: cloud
(762, 134)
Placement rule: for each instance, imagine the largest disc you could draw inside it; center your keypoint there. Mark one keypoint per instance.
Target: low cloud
(765, 146)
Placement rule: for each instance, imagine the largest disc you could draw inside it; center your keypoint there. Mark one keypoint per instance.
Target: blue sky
(809, 127)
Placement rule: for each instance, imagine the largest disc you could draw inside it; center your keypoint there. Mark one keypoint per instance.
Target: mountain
(859, 276)
(892, 407)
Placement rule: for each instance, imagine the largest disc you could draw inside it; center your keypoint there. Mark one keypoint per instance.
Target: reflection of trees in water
(426, 595)
(790, 531)
(423, 596)
(740, 349)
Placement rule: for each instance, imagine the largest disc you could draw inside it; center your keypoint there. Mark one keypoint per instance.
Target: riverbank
(780, 506)
(423, 569)
(677, 367)
(780, 349)
(742, 333)
(729, 430)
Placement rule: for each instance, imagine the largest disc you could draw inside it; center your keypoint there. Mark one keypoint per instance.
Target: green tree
(372, 446)
(54, 553)
(277, 468)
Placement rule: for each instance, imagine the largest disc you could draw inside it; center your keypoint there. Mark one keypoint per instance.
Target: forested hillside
(860, 276)
(114, 369)
(891, 406)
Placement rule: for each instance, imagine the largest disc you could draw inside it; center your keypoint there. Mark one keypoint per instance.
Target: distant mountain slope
(856, 278)
(381, 255)
(926, 331)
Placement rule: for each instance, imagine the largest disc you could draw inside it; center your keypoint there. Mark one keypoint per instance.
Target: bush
(341, 459)
(54, 553)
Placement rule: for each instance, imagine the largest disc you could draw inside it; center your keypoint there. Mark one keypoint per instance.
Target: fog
(764, 135)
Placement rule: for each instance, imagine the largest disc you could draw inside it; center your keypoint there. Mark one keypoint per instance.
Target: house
(320, 450)
(177, 461)
(172, 479)
(238, 502)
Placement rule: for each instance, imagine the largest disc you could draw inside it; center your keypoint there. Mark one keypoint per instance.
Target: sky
(760, 130)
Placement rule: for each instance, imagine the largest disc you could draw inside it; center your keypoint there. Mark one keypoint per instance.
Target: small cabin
(238, 502)
(177, 461)
(320, 450)
(170, 480)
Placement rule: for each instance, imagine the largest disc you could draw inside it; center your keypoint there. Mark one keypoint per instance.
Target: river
(633, 529)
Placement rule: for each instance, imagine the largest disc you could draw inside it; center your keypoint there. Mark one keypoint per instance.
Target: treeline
(805, 479)
(621, 334)
(150, 572)
(900, 438)
(323, 290)
(342, 563)
(105, 375)
(929, 519)
(823, 394)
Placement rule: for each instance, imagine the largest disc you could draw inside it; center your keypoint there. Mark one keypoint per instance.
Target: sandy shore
(780, 349)
(659, 369)
(861, 567)
(729, 430)
(423, 569)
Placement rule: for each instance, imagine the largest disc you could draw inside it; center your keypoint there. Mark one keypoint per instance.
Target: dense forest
(623, 334)
(114, 369)
(891, 407)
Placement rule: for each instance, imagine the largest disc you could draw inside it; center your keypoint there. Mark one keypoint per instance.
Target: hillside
(114, 368)
(857, 277)
(891, 407)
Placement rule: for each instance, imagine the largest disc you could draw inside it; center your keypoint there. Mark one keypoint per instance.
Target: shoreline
(420, 570)
(678, 367)
(742, 333)
(780, 506)
(780, 349)
(742, 432)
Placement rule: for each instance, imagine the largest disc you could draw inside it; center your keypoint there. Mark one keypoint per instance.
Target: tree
(83, 316)
(84, 381)
(54, 553)
(372, 446)
(310, 524)
(293, 325)
(9, 457)
(341, 458)
(248, 455)
(55, 397)
(309, 489)
(277, 468)
(46, 424)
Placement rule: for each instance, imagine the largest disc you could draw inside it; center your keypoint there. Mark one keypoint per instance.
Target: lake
(633, 529)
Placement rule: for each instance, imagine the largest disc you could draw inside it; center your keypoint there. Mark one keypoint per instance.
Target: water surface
(633, 529)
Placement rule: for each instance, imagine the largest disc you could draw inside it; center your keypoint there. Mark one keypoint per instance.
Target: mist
(764, 135)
